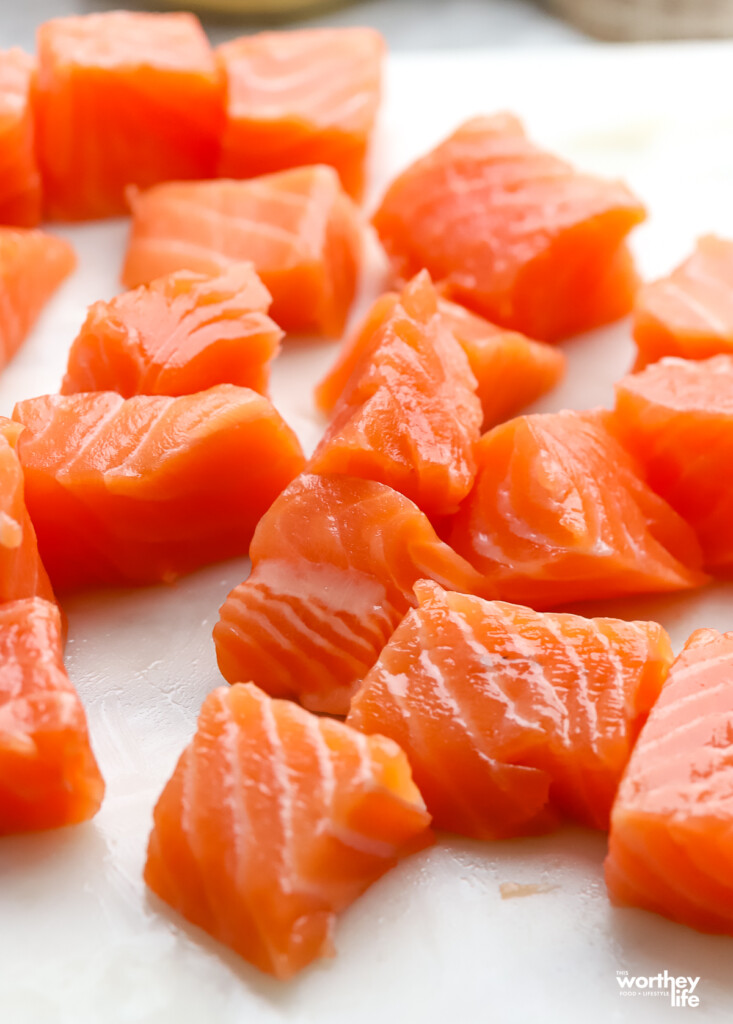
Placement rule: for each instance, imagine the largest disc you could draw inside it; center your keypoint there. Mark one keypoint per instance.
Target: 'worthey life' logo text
(679, 989)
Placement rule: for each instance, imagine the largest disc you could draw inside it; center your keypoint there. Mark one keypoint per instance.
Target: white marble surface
(406, 24)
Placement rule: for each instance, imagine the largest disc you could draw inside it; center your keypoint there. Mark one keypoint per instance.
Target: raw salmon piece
(32, 266)
(334, 562)
(512, 719)
(690, 312)
(142, 490)
(511, 371)
(409, 416)
(671, 841)
(275, 821)
(560, 513)
(183, 333)
(677, 418)
(328, 391)
(123, 98)
(48, 774)
(305, 97)
(20, 180)
(299, 228)
(514, 232)
(21, 571)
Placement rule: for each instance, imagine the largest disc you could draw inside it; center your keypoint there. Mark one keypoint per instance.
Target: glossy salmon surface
(512, 720)
(275, 821)
(48, 774)
(513, 232)
(677, 418)
(511, 370)
(308, 96)
(409, 415)
(20, 180)
(671, 846)
(144, 489)
(560, 512)
(123, 98)
(334, 562)
(21, 571)
(299, 228)
(689, 313)
(32, 266)
(180, 334)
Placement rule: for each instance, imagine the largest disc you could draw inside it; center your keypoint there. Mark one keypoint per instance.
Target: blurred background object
(417, 24)
(648, 19)
(405, 24)
(260, 8)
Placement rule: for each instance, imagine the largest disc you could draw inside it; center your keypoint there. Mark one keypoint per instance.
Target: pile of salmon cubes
(398, 660)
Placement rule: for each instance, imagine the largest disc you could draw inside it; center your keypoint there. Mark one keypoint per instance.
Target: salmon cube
(20, 181)
(21, 571)
(32, 266)
(689, 313)
(48, 773)
(299, 229)
(334, 563)
(273, 823)
(513, 232)
(144, 489)
(676, 416)
(512, 720)
(511, 370)
(560, 512)
(670, 848)
(183, 333)
(409, 415)
(123, 99)
(304, 97)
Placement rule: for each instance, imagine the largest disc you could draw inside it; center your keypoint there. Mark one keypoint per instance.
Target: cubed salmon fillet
(141, 490)
(21, 571)
(677, 418)
(560, 512)
(353, 350)
(334, 561)
(299, 228)
(32, 266)
(48, 774)
(308, 96)
(409, 415)
(20, 179)
(275, 821)
(513, 232)
(512, 719)
(183, 333)
(671, 842)
(511, 371)
(123, 98)
(689, 313)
